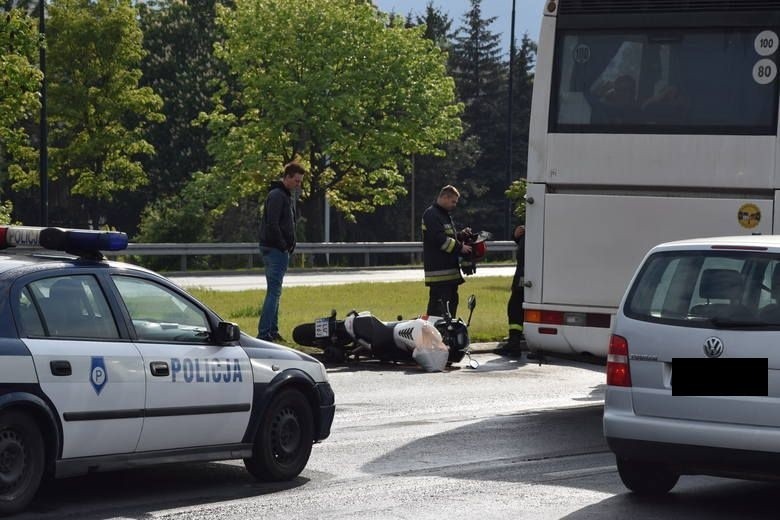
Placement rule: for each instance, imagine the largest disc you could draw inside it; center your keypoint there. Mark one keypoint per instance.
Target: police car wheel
(284, 440)
(21, 461)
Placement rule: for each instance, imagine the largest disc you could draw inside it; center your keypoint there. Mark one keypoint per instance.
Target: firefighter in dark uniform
(513, 345)
(442, 248)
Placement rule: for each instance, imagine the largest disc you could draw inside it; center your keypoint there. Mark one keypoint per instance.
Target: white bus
(652, 120)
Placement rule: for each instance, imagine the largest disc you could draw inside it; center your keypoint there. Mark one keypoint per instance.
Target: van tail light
(618, 373)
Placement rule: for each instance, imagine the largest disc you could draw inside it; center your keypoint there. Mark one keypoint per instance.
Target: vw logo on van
(713, 347)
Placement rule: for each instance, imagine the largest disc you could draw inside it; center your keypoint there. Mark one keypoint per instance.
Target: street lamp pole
(509, 120)
(43, 159)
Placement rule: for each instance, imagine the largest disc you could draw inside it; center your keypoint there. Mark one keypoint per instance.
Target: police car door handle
(60, 368)
(159, 368)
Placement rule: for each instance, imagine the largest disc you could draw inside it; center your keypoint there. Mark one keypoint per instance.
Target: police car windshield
(708, 288)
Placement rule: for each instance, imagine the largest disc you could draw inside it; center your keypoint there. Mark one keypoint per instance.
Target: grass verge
(385, 300)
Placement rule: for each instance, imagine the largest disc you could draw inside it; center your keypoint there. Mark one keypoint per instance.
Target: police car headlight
(324, 372)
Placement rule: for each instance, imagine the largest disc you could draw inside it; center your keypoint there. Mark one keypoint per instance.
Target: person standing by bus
(277, 242)
(442, 248)
(514, 343)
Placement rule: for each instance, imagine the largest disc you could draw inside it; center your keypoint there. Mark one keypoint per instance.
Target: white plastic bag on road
(430, 352)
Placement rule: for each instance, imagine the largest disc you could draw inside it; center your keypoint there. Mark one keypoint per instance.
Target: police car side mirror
(226, 332)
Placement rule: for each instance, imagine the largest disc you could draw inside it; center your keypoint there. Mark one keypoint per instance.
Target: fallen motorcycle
(432, 341)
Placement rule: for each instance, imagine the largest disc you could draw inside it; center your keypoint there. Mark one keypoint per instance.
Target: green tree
(516, 195)
(19, 83)
(522, 91)
(330, 82)
(26, 5)
(181, 67)
(97, 111)
(431, 172)
(481, 77)
(438, 26)
(427, 173)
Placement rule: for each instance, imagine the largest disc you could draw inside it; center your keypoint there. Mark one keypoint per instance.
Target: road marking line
(581, 471)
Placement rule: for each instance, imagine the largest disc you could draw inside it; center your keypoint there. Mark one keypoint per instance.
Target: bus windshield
(683, 81)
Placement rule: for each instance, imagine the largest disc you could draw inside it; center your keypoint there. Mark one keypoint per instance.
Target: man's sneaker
(272, 337)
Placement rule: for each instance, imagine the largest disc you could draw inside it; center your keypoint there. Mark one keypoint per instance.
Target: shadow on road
(570, 433)
(719, 498)
(553, 433)
(488, 362)
(137, 493)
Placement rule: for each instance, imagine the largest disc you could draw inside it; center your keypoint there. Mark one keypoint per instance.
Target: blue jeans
(275, 267)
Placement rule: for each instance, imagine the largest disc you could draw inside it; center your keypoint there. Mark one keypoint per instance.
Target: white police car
(105, 365)
(693, 370)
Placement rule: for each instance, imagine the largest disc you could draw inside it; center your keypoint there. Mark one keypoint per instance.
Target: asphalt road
(507, 440)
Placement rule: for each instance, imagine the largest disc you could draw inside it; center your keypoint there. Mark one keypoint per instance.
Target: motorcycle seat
(373, 331)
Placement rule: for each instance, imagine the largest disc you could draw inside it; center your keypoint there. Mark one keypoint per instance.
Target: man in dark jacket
(442, 248)
(277, 242)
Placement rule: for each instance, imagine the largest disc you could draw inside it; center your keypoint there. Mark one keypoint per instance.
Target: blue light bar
(82, 240)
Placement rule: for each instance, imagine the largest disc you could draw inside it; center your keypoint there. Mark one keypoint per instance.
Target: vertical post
(412, 223)
(43, 159)
(510, 92)
(327, 228)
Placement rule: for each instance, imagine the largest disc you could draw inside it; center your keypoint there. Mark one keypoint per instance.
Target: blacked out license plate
(720, 377)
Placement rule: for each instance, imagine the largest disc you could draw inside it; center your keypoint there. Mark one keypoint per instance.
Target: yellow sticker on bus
(749, 216)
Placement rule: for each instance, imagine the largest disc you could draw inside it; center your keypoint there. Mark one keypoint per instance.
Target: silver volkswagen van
(693, 370)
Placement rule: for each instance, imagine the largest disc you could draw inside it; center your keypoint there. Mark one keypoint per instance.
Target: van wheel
(284, 440)
(646, 478)
(21, 461)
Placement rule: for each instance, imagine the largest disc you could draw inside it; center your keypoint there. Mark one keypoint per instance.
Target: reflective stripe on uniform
(444, 275)
(449, 245)
(515, 326)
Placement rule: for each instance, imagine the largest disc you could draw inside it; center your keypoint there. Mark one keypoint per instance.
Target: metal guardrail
(303, 248)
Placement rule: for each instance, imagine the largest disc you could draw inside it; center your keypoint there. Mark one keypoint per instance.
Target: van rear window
(708, 288)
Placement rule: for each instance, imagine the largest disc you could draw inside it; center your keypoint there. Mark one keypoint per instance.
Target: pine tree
(522, 90)
(480, 76)
(438, 26)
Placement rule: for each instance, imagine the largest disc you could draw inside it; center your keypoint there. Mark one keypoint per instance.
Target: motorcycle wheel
(455, 356)
(304, 335)
(333, 355)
